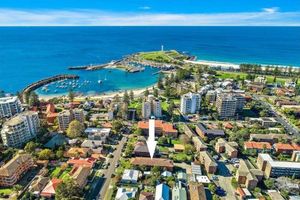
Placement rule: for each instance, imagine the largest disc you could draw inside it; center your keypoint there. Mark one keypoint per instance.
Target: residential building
(274, 195)
(67, 116)
(9, 106)
(151, 107)
(78, 152)
(130, 176)
(271, 138)
(179, 147)
(38, 184)
(209, 163)
(146, 196)
(272, 168)
(229, 104)
(95, 145)
(265, 122)
(13, 170)
(160, 162)
(190, 103)
(79, 162)
(199, 144)
(286, 148)
(126, 193)
(161, 128)
(162, 192)
(141, 149)
(258, 147)
(296, 156)
(80, 175)
(50, 188)
(247, 175)
(211, 96)
(196, 191)
(202, 131)
(230, 148)
(20, 129)
(98, 133)
(179, 193)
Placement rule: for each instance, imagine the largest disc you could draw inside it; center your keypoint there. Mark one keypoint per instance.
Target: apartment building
(151, 107)
(67, 116)
(203, 131)
(230, 148)
(161, 128)
(209, 163)
(228, 104)
(190, 103)
(247, 175)
(20, 129)
(9, 106)
(11, 172)
(272, 168)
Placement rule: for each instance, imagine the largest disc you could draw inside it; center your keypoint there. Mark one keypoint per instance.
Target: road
(107, 173)
(291, 129)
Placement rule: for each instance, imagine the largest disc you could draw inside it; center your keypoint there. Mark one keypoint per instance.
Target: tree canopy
(75, 129)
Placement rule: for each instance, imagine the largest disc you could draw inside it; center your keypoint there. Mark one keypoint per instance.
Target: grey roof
(210, 131)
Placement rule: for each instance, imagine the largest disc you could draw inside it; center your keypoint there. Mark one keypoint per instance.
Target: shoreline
(228, 65)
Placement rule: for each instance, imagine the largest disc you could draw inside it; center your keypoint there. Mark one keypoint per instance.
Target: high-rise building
(151, 107)
(190, 103)
(20, 129)
(9, 106)
(229, 104)
(67, 116)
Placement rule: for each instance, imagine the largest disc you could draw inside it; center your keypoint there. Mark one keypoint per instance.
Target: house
(98, 133)
(38, 184)
(258, 146)
(162, 192)
(265, 122)
(286, 148)
(161, 128)
(209, 163)
(179, 147)
(196, 191)
(274, 195)
(230, 148)
(95, 145)
(243, 193)
(49, 190)
(126, 193)
(130, 176)
(146, 196)
(202, 131)
(179, 193)
(160, 162)
(199, 144)
(141, 149)
(80, 174)
(247, 175)
(13, 170)
(196, 169)
(88, 162)
(78, 152)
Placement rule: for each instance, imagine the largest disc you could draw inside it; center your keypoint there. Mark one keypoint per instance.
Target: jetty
(94, 66)
(40, 83)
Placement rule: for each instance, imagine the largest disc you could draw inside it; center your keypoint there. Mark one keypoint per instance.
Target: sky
(149, 12)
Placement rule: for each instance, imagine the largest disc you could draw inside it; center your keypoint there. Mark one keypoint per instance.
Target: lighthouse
(162, 47)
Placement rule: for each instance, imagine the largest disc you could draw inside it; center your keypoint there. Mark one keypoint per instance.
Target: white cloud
(10, 17)
(145, 7)
(271, 10)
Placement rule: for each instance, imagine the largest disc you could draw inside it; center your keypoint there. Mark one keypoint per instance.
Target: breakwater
(40, 83)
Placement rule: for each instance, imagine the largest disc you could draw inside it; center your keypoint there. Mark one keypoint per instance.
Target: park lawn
(182, 157)
(6, 191)
(164, 106)
(134, 104)
(234, 75)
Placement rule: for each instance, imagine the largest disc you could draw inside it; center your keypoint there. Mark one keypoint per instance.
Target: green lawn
(164, 106)
(176, 141)
(234, 75)
(6, 191)
(55, 172)
(163, 149)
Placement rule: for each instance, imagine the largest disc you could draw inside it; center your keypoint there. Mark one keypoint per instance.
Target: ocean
(28, 54)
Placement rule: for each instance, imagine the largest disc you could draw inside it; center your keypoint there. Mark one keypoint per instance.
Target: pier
(45, 81)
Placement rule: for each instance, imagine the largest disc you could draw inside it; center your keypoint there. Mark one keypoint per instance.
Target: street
(108, 172)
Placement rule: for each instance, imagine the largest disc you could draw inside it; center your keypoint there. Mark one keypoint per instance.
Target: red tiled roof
(281, 146)
(257, 145)
(89, 162)
(166, 127)
(152, 162)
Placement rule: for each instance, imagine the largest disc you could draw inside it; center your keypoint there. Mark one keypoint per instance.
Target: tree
(30, 147)
(146, 92)
(155, 92)
(131, 94)
(160, 83)
(171, 108)
(45, 154)
(269, 183)
(33, 99)
(212, 187)
(75, 129)
(71, 95)
(126, 98)
(59, 154)
(68, 190)
(117, 125)
(234, 182)
(215, 197)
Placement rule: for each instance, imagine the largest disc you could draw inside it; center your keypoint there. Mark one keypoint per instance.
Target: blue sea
(28, 54)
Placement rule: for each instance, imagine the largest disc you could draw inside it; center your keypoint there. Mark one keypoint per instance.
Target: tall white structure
(151, 107)
(9, 106)
(227, 105)
(20, 129)
(190, 103)
(67, 116)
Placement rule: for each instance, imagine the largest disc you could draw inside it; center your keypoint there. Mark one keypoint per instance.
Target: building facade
(190, 103)
(9, 106)
(20, 129)
(67, 116)
(151, 107)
